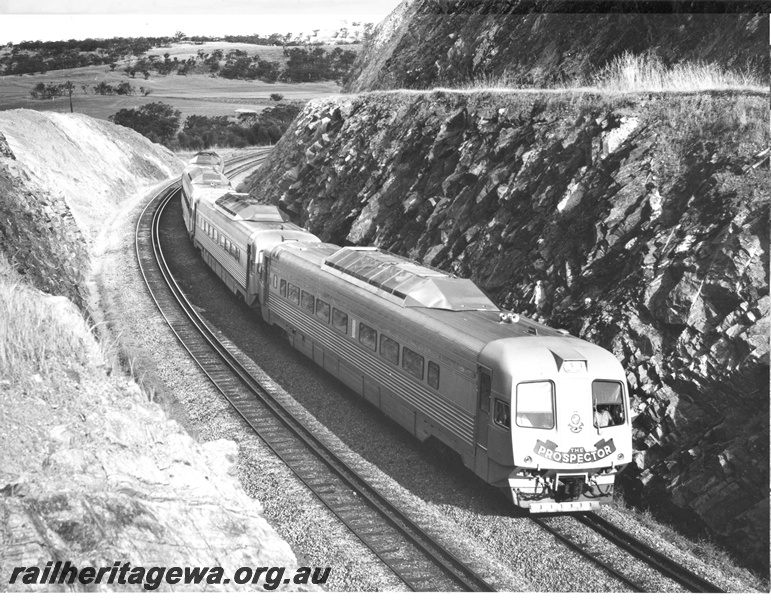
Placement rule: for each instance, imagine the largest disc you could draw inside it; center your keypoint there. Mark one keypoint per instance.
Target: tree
(125, 89)
(157, 121)
(104, 89)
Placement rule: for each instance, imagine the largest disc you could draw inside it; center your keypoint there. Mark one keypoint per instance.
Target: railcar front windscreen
(535, 404)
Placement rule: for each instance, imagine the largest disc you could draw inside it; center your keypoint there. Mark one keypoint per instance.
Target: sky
(79, 19)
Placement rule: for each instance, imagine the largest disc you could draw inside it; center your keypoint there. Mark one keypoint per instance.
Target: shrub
(157, 121)
(267, 128)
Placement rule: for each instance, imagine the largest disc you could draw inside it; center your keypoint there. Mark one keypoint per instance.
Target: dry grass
(632, 73)
(37, 331)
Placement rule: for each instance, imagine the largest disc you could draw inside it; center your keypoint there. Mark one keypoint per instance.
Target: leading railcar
(538, 413)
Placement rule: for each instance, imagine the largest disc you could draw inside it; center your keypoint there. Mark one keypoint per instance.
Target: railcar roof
(405, 282)
(416, 285)
(207, 176)
(242, 207)
(207, 158)
(488, 326)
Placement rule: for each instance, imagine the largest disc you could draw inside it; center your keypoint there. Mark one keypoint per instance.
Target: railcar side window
(389, 349)
(535, 405)
(340, 320)
(282, 287)
(308, 301)
(275, 281)
(368, 337)
(412, 362)
(433, 375)
(502, 413)
(293, 293)
(322, 310)
(608, 403)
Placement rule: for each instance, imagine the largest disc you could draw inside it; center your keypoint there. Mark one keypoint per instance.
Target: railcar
(232, 233)
(531, 410)
(202, 181)
(540, 414)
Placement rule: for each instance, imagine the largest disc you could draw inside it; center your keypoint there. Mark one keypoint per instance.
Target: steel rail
(663, 564)
(541, 521)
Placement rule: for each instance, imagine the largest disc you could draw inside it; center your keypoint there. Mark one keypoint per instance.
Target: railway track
(629, 544)
(238, 165)
(663, 564)
(415, 555)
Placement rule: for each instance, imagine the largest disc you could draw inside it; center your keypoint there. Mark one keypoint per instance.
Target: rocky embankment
(455, 43)
(640, 223)
(92, 471)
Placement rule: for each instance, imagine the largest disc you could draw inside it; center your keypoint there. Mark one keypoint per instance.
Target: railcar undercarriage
(552, 491)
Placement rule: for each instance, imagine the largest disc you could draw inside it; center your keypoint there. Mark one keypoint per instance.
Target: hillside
(93, 471)
(637, 222)
(434, 43)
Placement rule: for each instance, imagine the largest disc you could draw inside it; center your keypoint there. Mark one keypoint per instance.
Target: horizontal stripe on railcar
(445, 413)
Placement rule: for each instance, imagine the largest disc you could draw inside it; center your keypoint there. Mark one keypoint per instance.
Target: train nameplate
(577, 456)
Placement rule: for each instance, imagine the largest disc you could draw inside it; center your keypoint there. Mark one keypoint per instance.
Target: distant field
(191, 95)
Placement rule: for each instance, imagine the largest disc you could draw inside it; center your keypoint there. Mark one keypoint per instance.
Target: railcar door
(484, 390)
(264, 287)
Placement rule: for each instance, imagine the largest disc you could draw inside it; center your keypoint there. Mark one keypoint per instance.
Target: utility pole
(69, 88)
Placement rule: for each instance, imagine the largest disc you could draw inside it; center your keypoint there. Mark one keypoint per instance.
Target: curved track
(664, 565)
(416, 556)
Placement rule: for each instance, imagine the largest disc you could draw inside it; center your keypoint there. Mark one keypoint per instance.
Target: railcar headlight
(620, 456)
(573, 366)
(528, 459)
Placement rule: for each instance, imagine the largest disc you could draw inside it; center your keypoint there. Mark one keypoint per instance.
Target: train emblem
(575, 423)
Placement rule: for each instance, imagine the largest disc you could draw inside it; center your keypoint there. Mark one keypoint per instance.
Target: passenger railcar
(232, 232)
(202, 181)
(531, 410)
